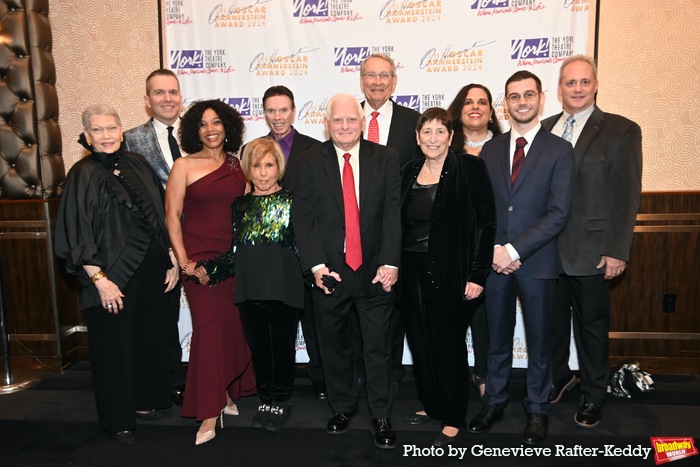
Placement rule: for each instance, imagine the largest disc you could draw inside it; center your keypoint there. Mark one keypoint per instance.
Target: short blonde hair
(259, 148)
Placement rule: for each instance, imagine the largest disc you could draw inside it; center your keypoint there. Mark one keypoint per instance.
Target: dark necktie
(172, 142)
(518, 158)
(353, 243)
(373, 131)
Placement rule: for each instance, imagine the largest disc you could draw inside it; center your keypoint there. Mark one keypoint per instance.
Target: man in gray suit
(595, 244)
(155, 140)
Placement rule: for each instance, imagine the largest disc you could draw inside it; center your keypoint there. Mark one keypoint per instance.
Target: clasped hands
(385, 275)
(502, 262)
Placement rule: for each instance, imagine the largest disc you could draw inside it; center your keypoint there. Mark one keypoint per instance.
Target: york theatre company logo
(495, 7)
(349, 59)
(324, 11)
(239, 14)
(282, 64)
(536, 51)
(174, 14)
(411, 11)
(250, 108)
(199, 61)
(411, 101)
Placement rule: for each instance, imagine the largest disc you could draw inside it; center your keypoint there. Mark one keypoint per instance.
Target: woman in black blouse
(110, 230)
(449, 225)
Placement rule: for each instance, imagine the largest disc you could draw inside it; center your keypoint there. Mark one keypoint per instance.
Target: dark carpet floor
(54, 423)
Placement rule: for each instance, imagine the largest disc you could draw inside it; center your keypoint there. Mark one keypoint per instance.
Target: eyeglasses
(515, 97)
(383, 75)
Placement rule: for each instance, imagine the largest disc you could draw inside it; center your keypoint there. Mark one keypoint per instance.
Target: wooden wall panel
(665, 252)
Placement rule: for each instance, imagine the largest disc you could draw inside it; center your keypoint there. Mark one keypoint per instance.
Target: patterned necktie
(172, 142)
(518, 158)
(373, 133)
(353, 244)
(568, 128)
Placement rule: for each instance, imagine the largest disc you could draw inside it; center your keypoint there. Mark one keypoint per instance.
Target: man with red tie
(531, 173)
(346, 218)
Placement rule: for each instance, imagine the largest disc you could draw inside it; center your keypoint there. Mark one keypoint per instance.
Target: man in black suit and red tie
(531, 172)
(346, 218)
(394, 126)
(279, 109)
(595, 244)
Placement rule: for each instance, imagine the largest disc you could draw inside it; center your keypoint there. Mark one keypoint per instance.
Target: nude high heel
(230, 409)
(207, 436)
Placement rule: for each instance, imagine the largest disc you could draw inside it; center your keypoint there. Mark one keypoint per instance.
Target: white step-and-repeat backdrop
(236, 49)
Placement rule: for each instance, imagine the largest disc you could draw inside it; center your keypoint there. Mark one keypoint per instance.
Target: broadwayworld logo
(672, 449)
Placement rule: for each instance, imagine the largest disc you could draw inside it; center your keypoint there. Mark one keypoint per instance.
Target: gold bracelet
(97, 276)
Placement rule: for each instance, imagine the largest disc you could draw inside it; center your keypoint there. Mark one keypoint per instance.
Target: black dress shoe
(124, 437)
(441, 439)
(536, 429)
(150, 416)
(588, 415)
(558, 389)
(178, 394)
(416, 419)
(320, 391)
(340, 422)
(489, 415)
(384, 434)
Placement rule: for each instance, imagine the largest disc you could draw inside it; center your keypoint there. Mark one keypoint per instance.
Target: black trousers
(588, 297)
(480, 338)
(436, 330)
(314, 367)
(270, 327)
(130, 351)
(179, 371)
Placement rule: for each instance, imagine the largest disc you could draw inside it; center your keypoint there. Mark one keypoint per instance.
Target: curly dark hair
(455, 110)
(189, 126)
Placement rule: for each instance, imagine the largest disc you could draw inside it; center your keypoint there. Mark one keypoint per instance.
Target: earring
(89, 143)
(491, 120)
(121, 138)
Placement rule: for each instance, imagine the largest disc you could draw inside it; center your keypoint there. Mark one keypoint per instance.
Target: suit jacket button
(510, 208)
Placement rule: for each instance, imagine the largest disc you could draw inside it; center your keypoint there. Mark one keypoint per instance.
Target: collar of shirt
(286, 141)
(383, 119)
(162, 135)
(529, 136)
(580, 120)
(354, 163)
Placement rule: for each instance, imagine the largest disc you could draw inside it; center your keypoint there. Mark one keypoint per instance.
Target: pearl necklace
(477, 144)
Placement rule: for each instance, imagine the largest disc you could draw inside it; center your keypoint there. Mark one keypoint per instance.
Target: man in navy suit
(395, 128)
(531, 174)
(595, 244)
(151, 140)
(279, 109)
(346, 218)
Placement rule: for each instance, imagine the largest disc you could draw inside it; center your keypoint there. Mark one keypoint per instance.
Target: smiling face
(476, 110)
(524, 101)
(104, 133)
(264, 174)
(434, 139)
(163, 98)
(578, 87)
(279, 115)
(211, 130)
(377, 81)
(344, 123)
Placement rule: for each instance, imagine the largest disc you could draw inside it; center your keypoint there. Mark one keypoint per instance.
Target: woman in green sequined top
(270, 292)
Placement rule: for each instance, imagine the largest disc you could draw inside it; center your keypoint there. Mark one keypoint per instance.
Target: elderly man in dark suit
(155, 140)
(280, 109)
(346, 218)
(394, 126)
(595, 244)
(531, 172)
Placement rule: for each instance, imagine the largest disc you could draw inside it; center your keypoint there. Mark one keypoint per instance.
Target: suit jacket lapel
(536, 147)
(330, 165)
(366, 169)
(588, 134)
(504, 161)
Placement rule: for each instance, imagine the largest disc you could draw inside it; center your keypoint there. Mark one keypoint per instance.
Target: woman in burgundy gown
(200, 190)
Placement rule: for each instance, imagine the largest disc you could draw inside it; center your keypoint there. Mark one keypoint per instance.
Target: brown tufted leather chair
(30, 138)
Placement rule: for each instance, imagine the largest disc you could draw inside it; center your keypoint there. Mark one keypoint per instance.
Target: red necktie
(373, 133)
(353, 244)
(518, 158)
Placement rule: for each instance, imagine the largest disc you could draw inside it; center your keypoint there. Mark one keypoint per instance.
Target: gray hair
(384, 57)
(579, 58)
(99, 109)
(342, 97)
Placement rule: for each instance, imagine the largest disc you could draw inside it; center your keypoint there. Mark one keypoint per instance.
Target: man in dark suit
(279, 108)
(394, 126)
(354, 258)
(531, 172)
(595, 244)
(155, 140)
